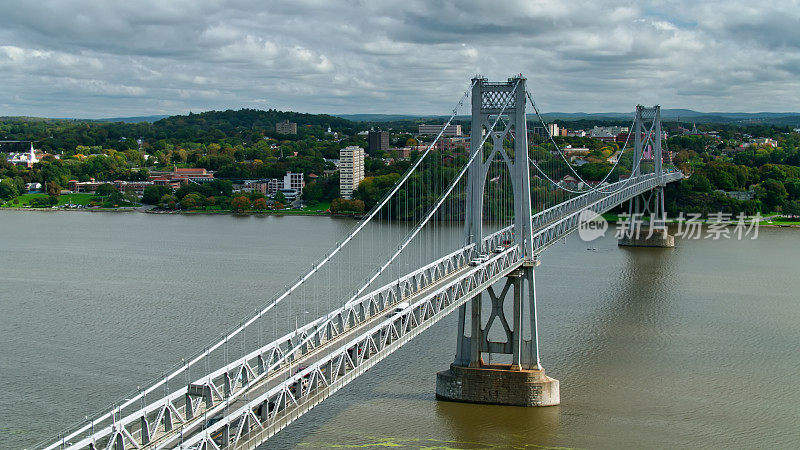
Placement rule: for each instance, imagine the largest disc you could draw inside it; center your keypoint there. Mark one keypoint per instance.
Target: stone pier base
(497, 385)
(660, 238)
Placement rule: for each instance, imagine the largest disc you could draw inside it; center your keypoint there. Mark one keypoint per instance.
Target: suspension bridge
(459, 232)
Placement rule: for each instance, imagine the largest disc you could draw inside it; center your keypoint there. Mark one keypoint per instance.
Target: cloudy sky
(106, 58)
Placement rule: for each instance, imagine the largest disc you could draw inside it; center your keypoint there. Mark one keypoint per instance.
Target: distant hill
(134, 119)
(385, 117)
(243, 121)
(234, 127)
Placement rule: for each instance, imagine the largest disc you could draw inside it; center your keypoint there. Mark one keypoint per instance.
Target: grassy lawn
(74, 199)
(24, 200)
(321, 206)
(783, 221)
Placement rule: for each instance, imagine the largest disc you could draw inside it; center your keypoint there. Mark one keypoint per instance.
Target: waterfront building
(31, 187)
(137, 187)
(293, 182)
(181, 175)
(351, 170)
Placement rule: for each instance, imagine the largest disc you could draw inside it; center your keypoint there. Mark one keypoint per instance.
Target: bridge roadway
(275, 384)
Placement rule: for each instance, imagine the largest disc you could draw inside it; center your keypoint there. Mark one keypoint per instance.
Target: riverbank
(284, 212)
(57, 209)
(610, 218)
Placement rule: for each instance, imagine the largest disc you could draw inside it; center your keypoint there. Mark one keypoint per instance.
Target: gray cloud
(84, 58)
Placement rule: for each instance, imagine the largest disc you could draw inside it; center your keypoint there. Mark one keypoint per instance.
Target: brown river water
(695, 346)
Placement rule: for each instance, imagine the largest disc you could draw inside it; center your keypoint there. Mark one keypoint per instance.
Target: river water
(695, 346)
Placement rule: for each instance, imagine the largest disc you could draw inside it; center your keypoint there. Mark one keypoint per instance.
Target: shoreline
(188, 213)
(121, 210)
(763, 223)
(248, 213)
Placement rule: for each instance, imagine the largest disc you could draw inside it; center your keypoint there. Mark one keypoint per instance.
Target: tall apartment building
(451, 130)
(351, 170)
(378, 141)
(553, 129)
(286, 127)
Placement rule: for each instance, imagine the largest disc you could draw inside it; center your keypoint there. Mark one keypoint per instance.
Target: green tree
(698, 183)
(372, 189)
(168, 201)
(8, 189)
(279, 197)
(772, 193)
(312, 193)
(791, 209)
(105, 189)
(153, 194)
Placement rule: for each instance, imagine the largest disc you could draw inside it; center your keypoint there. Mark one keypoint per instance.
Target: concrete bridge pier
(652, 203)
(523, 382)
(654, 234)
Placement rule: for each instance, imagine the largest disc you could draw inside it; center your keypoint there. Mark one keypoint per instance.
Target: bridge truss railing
(263, 416)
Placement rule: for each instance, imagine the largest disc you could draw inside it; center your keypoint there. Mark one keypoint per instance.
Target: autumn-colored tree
(357, 206)
(260, 203)
(340, 205)
(240, 203)
(277, 205)
(53, 189)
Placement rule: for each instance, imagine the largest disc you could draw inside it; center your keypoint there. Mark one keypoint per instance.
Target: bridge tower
(520, 381)
(647, 134)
